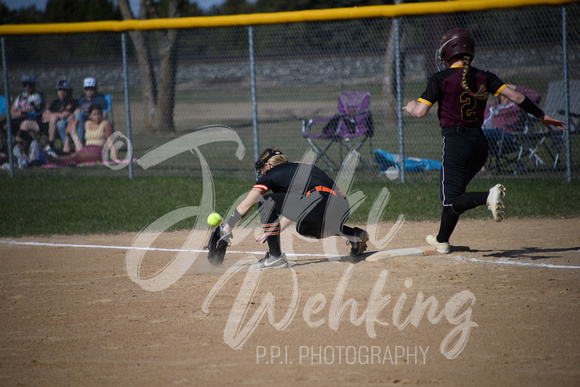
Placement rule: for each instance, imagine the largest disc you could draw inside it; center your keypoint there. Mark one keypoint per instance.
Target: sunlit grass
(33, 206)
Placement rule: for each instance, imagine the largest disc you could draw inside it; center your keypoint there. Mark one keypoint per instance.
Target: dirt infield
(505, 313)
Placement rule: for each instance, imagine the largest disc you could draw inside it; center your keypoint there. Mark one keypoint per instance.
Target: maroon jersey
(456, 106)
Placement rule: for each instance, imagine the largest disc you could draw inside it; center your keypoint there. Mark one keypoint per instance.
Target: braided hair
(482, 93)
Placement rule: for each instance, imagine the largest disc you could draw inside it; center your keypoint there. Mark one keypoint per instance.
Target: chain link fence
(300, 70)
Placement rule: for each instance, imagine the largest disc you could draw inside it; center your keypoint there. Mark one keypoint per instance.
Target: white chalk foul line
(515, 263)
(10, 242)
(498, 262)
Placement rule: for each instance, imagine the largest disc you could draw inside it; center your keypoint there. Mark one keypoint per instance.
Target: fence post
(566, 91)
(399, 84)
(8, 121)
(127, 107)
(254, 102)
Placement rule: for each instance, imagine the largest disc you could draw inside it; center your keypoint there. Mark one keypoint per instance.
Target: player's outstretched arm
(525, 103)
(417, 109)
(253, 196)
(549, 122)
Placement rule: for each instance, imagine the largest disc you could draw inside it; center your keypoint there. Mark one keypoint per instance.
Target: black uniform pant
(463, 156)
(317, 215)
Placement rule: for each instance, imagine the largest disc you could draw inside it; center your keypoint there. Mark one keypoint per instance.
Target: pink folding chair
(349, 129)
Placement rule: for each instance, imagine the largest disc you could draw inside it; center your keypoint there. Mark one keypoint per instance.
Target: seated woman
(97, 133)
(503, 118)
(27, 152)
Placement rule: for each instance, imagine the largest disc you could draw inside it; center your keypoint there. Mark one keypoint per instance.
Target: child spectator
(81, 114)
(97, 130)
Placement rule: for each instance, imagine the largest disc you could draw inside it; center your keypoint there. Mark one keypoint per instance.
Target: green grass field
(47, 206)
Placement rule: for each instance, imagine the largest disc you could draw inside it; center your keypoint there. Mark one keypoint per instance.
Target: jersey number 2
(467, 107)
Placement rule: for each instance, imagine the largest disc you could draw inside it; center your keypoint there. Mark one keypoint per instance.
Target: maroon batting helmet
(454, 42)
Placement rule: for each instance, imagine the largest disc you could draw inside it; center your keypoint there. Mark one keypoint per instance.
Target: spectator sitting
(27, 109)
(98, 131)
(502, 118)
(81, 114)
(27, 151)
(59, 113)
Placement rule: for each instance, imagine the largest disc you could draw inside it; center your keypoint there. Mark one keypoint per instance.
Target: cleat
(270, 262)
(48, 150)
(358, 247)
(495, 202)
(442, 247)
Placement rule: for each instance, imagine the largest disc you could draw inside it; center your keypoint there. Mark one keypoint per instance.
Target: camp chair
(534, 146)
(531, 145)
(555, 108)
(3, 107)
(349, 129)
(542, 142)
(501, 126)
(517, 149)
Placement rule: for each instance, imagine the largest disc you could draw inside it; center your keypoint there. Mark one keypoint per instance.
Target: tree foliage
(66, 11)
(61, 11)
(20, 16)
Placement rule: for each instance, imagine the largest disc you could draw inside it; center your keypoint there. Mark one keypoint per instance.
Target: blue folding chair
(3, 107)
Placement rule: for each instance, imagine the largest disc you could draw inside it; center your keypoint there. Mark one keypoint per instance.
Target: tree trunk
(163, 115)
(158, 92)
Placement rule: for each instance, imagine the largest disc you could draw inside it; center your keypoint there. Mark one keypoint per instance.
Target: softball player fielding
(301, 193)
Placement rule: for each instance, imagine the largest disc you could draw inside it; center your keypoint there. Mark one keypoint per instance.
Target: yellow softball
(214, 219)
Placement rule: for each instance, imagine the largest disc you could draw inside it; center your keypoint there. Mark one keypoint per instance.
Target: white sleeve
(37, 100)
(35, 151)
(17, 101)
(20, 161)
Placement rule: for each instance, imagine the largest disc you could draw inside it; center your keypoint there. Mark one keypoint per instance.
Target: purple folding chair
(350, 128)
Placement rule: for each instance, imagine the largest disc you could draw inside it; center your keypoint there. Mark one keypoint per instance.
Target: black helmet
(454, 42)
(266, 155)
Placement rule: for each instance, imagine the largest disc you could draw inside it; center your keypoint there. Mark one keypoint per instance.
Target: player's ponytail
(482, 92)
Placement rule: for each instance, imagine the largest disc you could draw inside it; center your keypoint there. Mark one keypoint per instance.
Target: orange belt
(320, 188)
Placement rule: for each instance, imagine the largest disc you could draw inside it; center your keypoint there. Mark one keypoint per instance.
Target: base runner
(461, 91)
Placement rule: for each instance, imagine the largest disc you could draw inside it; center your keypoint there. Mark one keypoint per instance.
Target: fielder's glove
(218, 243)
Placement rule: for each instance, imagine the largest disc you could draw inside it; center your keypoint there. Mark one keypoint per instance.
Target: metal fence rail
(258, 74)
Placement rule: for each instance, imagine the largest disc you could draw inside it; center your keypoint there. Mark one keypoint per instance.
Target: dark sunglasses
(19, 142)
(89, 88)
(26, 84)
